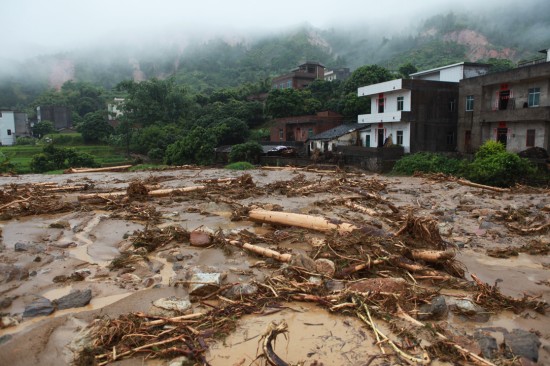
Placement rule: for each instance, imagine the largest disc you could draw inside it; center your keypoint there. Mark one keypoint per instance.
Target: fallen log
(300, 220)
(482, 186)
(433, 256)
(373, 196)
(119, 168)
(265, 252)
(360, 208)
(155, 193)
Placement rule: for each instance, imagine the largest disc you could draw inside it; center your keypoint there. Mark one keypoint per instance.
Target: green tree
(231, 131)
(367, 75)
(249, 151)
(406, 70)
(95, 127)
(197, 147)
(42, 128)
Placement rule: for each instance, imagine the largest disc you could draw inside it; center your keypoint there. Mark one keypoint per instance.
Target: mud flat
(283, 266)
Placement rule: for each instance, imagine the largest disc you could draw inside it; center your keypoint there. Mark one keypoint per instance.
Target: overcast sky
(45, 26)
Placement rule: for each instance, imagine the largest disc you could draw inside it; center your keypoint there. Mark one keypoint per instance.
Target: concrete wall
(7, 127)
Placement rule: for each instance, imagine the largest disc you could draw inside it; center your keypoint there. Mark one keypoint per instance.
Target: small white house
(7, 128)
(343, 135)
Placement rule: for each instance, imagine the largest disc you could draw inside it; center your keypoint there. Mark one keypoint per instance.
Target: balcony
(516, 115)
(388, 117)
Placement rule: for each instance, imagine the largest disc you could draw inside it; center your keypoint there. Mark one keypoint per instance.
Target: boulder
(522, 343)
(202, 284)
(239, 290)
(40, 306)
(325, 267)
(199, 238)
(487, 344)
(10, 272)
(437, 309)
(75, 299)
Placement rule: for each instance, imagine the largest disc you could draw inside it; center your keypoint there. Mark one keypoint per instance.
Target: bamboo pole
(482, 186)
(300, 220)
(155, 193)
(285, 258)
(95, 170)
(433, 256)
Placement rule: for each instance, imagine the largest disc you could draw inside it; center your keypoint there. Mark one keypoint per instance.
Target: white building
(7, 127)
(420, 113)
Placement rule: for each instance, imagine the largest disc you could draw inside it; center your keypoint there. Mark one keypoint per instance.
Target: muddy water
(313, 335)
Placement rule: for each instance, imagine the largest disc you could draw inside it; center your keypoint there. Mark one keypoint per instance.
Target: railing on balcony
(532, 62)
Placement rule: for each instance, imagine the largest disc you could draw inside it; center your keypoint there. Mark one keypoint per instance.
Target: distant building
(511, 106)
(343, 135)
(60, 116)
(300, 128)
(337, 74)
(114, 111)
(7, 127)
(300, 77)
(420, 113)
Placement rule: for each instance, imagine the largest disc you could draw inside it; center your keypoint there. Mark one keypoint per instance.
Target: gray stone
(239, 290)
(5, 302)
(487, 344)
(177, 266)
(173, 303)
(10, 272)
(202, 284)
(182, 360)
(522, 343)
(485, 225)
(473, 311)
(75, 299)
(21, 247)
(40, 306)
(5, 338)
(435, 310)
(445, 229)
(180, 257)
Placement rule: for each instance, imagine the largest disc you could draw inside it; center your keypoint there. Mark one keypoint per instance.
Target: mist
(37, 27)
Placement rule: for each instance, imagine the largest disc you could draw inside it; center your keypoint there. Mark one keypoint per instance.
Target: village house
(60, 116)
(343, 135)
(300, 77)
(114, 111)
(13, 124)
(337, 74)
(511, 106)
(420, 113)
(301, 128)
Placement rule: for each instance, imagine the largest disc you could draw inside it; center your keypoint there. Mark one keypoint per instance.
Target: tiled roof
(338, 131)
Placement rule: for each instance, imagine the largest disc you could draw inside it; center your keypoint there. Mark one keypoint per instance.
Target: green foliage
(407, 69)
(500, 64)
(24, 140)
(493, 165)
(5, 163)
(94, 127)
(231, 131)
(367, 75)
(197, 147)
(53, 158)
(154, 137)
(67, 139)
(427, 162)
(291, 102)
(42, 128)
(249, 151)
(240, 165)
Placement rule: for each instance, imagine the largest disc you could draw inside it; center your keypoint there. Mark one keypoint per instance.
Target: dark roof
(338, 131)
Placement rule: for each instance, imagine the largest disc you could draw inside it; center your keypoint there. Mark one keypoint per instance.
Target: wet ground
(39, 253)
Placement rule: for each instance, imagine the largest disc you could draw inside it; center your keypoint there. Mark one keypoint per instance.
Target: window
(9, 132)
(367, 141)
(450, 139)
(470, 103)
(380, 105)
(289, 84)
(281, 86)
(534, 97)
(280, 133)
(400, 101)
(530, 138)
(309, 132)
(452, 103)
(399, 138)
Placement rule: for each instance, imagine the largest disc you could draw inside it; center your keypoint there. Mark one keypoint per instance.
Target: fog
(34, 27)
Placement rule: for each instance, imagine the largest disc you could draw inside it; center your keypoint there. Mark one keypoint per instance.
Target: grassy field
(21, 156)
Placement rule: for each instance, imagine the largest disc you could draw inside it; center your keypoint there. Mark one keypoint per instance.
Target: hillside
(231, 60)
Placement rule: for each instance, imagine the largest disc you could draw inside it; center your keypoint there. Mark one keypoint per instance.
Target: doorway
(380, 137)
(502, 135)
(504, 97)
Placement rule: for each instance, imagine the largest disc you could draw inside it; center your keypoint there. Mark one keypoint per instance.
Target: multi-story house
(300, 77)
(60, 116)
(337, 74)
(114, 111)
(420, 113)
(300, 128)
(511, 106)
(7, 127)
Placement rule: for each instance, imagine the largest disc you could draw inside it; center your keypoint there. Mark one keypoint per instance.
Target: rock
(445, 229)
(325, 267)
(40, 306)
(37, 259)
(21, 247)
(10, 272)
(315, 280)
(334, 286)
(148, 282)
(473, 311)
(485, 225)
(5, 338)
(60, 278)
(202, 284)
(522, 343)
(437, 309)
(8, 321)
(5, 302)
(61, 224)
(75, 299)
(178, 361)
(394, 285)
(468, 199)
(487, 344)
(301, 260)
(83, 273)
(239, 290)
(64, 244)
(177, 266)
(130, 277)
(173, 303)
(200, 238)
(180, 257)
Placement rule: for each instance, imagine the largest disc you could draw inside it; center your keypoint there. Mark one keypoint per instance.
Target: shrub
(5, 163)
(53, 158)
(80, 160)
(25, 140)
(249, 151)
(428, 163)
(65, 139)
(493, 165)
(240, 165)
